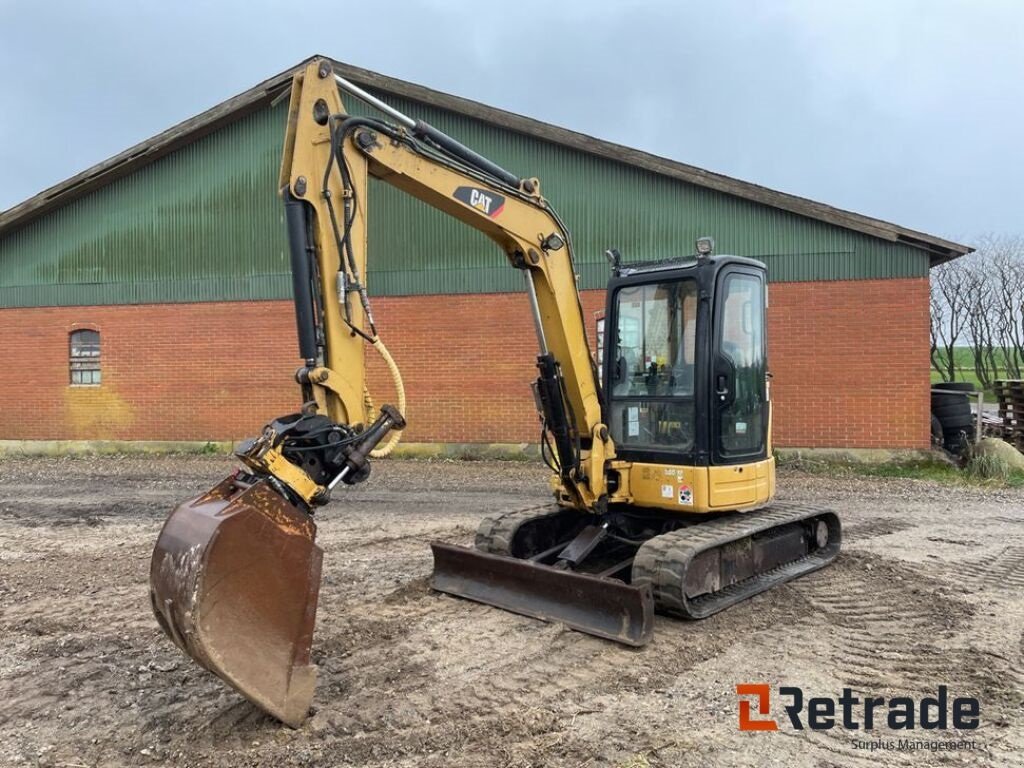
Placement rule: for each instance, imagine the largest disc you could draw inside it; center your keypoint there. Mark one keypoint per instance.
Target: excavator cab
(685, 374)
(685, 401)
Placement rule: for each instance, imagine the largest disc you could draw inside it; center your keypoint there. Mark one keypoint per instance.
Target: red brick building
(173, 256)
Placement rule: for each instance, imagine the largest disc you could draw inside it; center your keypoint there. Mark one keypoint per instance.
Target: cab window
(742, 421)
(653, 363)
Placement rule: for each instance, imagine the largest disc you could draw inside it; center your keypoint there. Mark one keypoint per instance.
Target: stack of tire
(953, 424)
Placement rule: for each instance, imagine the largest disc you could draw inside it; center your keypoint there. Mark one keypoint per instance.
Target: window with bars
(85, 358)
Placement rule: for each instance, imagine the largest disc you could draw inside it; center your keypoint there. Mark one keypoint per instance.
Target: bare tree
(949, 316)
(1012, 307)
(979, 288)
(938, 320)
(978, 301)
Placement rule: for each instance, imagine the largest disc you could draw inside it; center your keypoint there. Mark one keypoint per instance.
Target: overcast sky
(909, 111)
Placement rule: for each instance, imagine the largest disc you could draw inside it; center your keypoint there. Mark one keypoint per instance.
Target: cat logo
(484, 201)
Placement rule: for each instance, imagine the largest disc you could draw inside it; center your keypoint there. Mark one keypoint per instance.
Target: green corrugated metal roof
(200, 224)
(203, 223)
(606, 204)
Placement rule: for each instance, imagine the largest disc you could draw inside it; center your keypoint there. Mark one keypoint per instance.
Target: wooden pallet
(1010, 394)
(1010, 386)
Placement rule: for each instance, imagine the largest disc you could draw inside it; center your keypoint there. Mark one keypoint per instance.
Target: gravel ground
(928, 591)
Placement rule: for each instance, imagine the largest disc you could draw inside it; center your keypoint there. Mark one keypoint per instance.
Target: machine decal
(667, 491)
(633, 423)
(484, 201)
(686, 495)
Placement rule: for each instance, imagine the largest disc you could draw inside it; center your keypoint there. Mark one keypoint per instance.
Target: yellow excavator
(662, 469)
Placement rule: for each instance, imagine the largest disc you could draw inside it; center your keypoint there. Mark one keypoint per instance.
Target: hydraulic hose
(396, 377)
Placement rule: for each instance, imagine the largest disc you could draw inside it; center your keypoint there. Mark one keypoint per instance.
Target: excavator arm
(328, 159)
(235, 573)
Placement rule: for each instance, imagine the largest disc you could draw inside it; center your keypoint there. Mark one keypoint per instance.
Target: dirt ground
(929, 590)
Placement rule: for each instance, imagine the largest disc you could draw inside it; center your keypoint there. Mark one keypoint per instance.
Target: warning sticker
(633, 423)
(667, 491)
(686, 495)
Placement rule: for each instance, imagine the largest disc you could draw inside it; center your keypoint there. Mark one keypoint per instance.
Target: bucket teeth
(234, 582)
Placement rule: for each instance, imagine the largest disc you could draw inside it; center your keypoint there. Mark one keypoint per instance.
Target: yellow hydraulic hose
(384, 450)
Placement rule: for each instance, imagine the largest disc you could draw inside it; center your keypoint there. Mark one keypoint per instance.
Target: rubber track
(496, 534)
(663, 560)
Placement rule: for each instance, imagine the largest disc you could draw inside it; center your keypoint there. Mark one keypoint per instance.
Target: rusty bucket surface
(234, 582)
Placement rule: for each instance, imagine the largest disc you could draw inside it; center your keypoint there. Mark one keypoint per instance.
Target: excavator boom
(240, 561)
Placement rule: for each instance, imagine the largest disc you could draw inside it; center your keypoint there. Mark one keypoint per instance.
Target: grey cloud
(908, 111)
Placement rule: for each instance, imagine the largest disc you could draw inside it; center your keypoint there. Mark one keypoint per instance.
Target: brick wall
(850, 361)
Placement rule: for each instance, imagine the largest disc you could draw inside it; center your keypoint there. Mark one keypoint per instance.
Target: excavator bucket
(597, 605)
(234, 582)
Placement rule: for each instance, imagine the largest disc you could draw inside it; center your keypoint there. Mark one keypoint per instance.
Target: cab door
(739, 412)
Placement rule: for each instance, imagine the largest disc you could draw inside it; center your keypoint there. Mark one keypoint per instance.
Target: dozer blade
(599, 606)
(234, 582)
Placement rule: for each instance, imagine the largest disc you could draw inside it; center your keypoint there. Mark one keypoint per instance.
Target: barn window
(85, 358)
